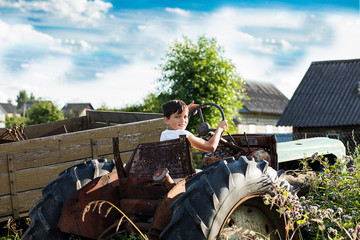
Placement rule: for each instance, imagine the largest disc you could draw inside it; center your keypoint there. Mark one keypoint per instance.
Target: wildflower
(340, 210)
(347, 218)
(330, 210)
(332, 231)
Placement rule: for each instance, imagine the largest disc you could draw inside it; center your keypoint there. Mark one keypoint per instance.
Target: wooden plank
(27, 200)
(39, 161)
(94, 149)
(32, 178)
(111, 117)
(60, 148)
(72, 125)
(32, 189)
(13, 189)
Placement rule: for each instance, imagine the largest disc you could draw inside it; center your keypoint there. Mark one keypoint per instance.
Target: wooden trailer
(27, 166)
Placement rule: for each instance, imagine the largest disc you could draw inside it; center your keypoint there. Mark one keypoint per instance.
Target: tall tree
(199, 71)
(21, 99)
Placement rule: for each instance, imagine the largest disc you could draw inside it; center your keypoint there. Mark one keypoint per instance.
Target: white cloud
(265, 45)
(79, 11)
(21, 33)
(178, 11)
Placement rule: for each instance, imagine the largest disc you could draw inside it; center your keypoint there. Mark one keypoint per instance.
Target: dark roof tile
(326, 96)
(264, 98)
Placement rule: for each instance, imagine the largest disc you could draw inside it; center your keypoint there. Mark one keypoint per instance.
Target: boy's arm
(211, 145)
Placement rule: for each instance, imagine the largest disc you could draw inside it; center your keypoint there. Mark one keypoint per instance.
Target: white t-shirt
(173, 134)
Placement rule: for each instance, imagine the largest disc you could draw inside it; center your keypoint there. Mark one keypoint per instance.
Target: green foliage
(152, 103)
(11, 121)
(333, 203)
(14, 229)
(331, 209)
(104, 107)
(43, 112)
(21, 99)
(197, 71)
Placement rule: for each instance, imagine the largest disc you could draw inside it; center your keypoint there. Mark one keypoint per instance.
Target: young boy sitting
(176, 118)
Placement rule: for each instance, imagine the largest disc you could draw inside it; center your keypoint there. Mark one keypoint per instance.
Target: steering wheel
(204, 128)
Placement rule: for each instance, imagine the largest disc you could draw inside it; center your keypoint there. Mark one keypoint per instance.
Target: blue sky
(107, 52)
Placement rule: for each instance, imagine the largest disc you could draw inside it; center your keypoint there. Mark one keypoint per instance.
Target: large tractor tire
(226, 195)
(46, 213)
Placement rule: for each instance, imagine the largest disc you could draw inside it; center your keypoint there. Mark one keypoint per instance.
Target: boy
(176, 118)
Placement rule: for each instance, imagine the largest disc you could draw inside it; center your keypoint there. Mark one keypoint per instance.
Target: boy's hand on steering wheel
(223, 125)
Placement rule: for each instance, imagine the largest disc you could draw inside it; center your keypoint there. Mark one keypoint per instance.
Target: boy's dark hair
(173, 106)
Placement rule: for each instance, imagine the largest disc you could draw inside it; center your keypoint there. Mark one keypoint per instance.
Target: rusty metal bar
(118, 163)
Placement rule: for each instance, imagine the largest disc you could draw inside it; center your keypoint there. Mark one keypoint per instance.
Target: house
(7, 109)
(326, 102)
(71, 110)
(263, 109)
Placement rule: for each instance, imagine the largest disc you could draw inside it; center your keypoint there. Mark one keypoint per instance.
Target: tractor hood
(304, 148)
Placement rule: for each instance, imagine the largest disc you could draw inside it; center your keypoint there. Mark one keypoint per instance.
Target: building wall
(2, 120)
(256, 123)
(265, 129)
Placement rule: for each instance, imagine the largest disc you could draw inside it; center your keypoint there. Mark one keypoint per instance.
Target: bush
(330, 210)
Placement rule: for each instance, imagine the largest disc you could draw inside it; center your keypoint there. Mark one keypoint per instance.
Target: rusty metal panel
(174, 155)
(140, 188)
(139, 206)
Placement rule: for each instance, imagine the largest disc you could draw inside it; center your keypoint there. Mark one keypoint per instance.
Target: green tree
(11, 121)
(199, 71)
(21, 99)
(43, 112)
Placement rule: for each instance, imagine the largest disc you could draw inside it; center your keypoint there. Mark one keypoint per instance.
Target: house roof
(328, 95)
(8, 107)
(77, 106)
(264, 98)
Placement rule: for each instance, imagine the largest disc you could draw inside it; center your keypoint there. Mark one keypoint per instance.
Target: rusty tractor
(160, 191)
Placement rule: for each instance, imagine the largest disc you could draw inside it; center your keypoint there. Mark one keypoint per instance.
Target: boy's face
(177, 121)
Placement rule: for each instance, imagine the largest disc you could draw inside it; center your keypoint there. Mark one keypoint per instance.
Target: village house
(71, 110)
(7, 109)
(326, 102)
(262, 110)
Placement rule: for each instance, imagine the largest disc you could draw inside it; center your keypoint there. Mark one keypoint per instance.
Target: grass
(13, 230)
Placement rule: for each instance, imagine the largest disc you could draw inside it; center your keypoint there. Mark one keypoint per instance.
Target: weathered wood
(39, 161)
(94, 148)
(72, 146)
(12, 183)
(33, 178)
(26, 201)
(106, 118)
(71, 125)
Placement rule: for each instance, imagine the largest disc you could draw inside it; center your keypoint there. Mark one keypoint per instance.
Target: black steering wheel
(204, 128)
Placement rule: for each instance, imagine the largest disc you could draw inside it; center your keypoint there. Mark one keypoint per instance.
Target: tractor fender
(163, 213)
(92, 224)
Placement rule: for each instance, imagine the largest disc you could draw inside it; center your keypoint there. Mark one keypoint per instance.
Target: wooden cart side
(71, 125)
(93, 119)
(27, 166)
(97, 119)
